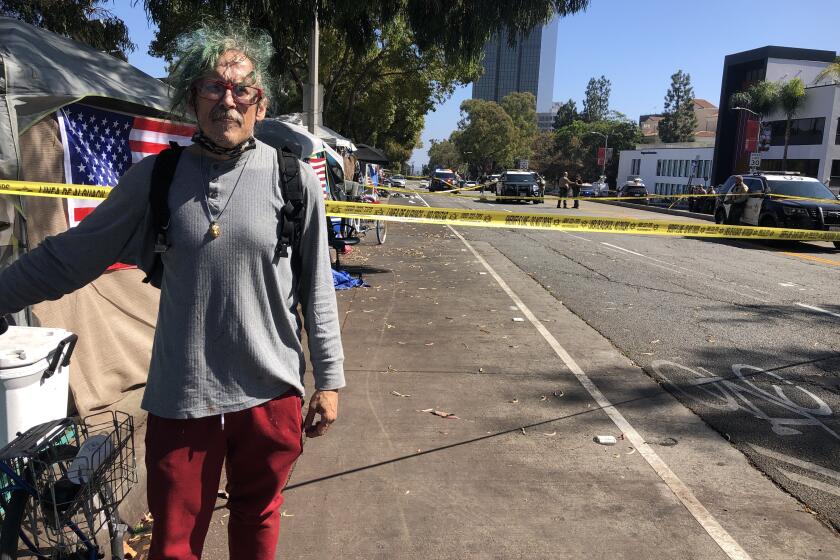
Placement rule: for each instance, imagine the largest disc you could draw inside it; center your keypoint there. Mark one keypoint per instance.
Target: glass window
(680, 172)
(658, 167)
(803, 132)
(835, 173)
(810, 188)
(837, 135)
(668, 168)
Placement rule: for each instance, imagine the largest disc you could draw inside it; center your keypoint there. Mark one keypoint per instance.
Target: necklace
(215, 230)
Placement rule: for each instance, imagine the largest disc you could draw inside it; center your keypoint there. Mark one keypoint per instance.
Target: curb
(673, 212)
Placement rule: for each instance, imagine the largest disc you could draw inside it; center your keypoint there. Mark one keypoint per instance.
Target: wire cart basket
(76, 472)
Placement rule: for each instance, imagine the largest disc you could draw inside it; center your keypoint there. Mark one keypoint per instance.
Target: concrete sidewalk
(516, 473)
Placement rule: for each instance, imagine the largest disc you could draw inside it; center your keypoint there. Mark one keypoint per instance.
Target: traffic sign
(755, 160)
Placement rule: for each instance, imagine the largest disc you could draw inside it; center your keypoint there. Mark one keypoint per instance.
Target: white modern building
(814, 147)
(668, 168)
(814, 140)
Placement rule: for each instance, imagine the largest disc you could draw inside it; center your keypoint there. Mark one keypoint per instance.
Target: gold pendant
(215, 229)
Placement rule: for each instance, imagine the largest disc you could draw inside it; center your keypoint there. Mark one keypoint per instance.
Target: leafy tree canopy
(521, 107)
(596, 102)
(566, 114)
(486, 135)
(384, 63)
(85, 21)
(679, 120)
(578, 147)
(444, 153)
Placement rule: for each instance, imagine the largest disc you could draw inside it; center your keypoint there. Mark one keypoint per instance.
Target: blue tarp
(343, 281)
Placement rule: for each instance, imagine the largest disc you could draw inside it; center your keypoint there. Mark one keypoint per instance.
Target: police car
(800, 202)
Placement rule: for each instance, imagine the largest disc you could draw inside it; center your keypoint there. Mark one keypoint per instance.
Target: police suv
(811, 204)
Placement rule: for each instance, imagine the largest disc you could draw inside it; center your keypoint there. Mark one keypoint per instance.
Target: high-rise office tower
(527, 66)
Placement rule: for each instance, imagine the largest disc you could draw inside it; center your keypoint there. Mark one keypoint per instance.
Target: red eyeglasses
(214, 90)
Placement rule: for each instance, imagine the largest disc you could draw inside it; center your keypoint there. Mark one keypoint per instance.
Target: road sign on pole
(523, 164)
(755, 161)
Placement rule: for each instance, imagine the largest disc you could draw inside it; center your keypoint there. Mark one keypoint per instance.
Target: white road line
(682, 492)
(818, 309)
(679, 270)
(829, 473)
(627, 251)
(578, 237)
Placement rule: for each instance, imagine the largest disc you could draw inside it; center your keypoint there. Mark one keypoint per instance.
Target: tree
(444, 153)
(521, 107)
(791, 99)
(679, 120)
(384, 63)
(596, 102)
(761, 97)
(830, 72)
(486, 135)
(546, 158)
(578, 148)
(82, 20)
(566, 114)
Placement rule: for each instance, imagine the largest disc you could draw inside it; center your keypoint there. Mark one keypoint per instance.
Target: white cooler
(29, 395)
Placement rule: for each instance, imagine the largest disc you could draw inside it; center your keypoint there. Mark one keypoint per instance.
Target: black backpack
(289, 219)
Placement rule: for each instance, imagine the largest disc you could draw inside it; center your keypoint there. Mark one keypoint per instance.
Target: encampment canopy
(43, 72)
(330, 136)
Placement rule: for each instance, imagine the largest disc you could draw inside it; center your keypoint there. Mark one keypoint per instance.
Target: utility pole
(313, 70)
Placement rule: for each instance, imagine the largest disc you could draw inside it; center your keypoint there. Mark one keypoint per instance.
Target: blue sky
(637, 44)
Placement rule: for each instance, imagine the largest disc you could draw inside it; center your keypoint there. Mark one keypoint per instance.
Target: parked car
(468, 184)
(398, 181)
(600, 187)
(443, 180)
(765, 210)
(424, 183)
(634, 187)
(587, 190)
(524, 184)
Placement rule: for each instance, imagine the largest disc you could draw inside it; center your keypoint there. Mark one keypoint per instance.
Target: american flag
(99, 146)
(320, 167)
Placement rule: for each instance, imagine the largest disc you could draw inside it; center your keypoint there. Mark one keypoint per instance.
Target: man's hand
(324, 403)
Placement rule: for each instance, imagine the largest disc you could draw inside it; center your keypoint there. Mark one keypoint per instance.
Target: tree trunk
(787, 141)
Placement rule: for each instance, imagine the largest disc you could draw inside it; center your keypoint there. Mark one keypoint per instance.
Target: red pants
(184, 459)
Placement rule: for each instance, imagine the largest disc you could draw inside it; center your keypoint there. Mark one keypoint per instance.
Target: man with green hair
(225, 382)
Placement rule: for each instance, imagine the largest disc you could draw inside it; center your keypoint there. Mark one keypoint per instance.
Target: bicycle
(352, 227)
(62, 482)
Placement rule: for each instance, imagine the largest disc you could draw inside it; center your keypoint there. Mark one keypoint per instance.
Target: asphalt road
(744, 334)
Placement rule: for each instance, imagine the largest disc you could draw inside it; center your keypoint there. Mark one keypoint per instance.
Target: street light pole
(606, 147)
(313, 70)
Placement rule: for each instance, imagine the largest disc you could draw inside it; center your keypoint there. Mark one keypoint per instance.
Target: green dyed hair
(197, 53)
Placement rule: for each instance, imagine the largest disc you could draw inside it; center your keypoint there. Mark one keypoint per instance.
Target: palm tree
(830, 71)
(791, 98)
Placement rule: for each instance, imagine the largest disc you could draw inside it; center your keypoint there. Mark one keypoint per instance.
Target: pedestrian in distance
(737, 197)
(576, 191)
(225, 383)
(563, 191)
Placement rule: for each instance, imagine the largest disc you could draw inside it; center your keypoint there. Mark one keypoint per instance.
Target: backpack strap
(162, 174)
(290, 223)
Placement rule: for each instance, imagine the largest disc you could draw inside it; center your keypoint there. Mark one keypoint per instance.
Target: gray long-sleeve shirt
(228, 335)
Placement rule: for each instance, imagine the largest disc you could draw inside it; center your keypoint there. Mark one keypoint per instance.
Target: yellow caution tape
(56, 190)
(482, 218)
(556, 222)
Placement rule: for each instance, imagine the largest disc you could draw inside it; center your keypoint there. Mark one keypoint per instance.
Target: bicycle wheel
(381, 231)
(21, 515)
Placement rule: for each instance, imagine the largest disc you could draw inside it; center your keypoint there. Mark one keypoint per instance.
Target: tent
(369, 154)
(330, 136)
(116, 314)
